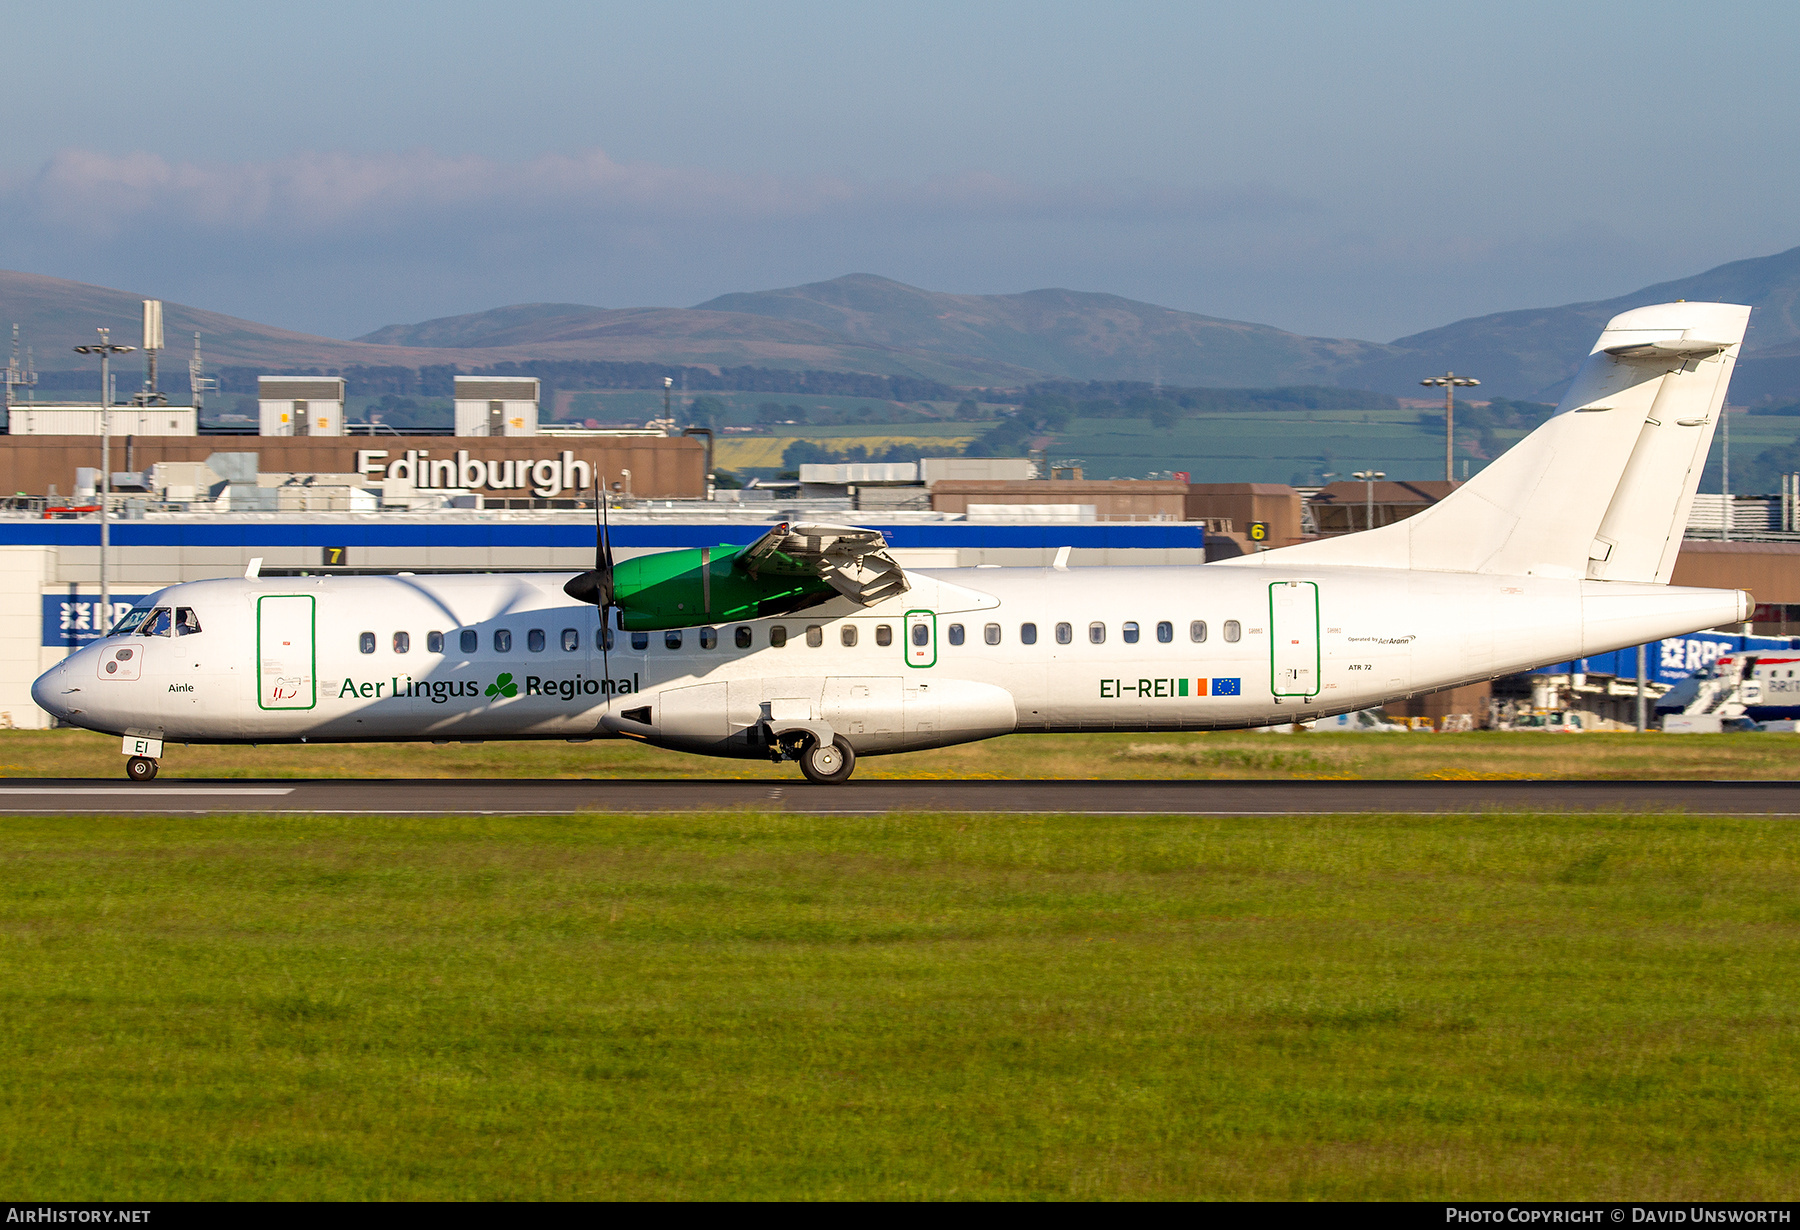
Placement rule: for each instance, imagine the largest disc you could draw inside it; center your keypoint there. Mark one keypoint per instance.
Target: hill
(480, 328)
(55, 315)
(861, 323)
(1072, 334)
(687, 336)
(1534, 352)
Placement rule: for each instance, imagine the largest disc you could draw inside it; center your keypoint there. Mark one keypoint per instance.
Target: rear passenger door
(1294, 638)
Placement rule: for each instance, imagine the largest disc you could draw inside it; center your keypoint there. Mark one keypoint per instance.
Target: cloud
(313, 195)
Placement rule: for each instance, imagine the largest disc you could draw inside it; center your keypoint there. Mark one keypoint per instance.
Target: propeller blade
(596, 586)
(603, 556)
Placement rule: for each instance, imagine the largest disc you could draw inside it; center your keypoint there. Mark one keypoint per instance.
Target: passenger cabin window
(157, 624)
(1130, 632)
(402, 642)
(366, 642)
(502, 640)
(956, 634)
(741, 637)
(1096, 634)
(571, 640)
(534, 640)
(921, 635)
(1027, 634)
(1233, 630)
(991, 634)
(1197, 631)
(815, 636)
(640, 640)
(777, 636)
(186, 622)
(609, 639)
(434, 642)
(672, 639)
(1065, 633)
(847, 636)
(884, 635)
(709, 638)
(468, 640)
(1165, 632)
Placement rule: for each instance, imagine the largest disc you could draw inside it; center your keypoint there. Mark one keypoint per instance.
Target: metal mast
(198, 381)
(106, 350)
(18, 376)
(153, 342)
(1451, 382)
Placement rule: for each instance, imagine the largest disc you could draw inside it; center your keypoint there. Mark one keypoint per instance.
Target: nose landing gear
(140, 768)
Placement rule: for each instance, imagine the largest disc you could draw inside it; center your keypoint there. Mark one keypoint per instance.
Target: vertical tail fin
(1641, 532)
(1603, 489)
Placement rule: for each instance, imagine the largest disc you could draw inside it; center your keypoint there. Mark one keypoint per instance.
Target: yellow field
(761, 452)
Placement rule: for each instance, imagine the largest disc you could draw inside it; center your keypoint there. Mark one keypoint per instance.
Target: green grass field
(1224, 755)
(1269, 447)
(744, 1005)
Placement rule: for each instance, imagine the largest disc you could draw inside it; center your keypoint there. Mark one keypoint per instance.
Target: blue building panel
(1670, 660)
(74, 618)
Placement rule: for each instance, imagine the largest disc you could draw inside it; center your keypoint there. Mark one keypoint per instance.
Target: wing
(855, 562)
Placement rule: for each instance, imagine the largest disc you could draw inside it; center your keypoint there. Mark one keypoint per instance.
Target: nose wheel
(827, 764)
(140, 768)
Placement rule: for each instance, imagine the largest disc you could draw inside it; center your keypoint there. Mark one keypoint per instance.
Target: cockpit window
(130, 621)
(186, 622)
(157, 624)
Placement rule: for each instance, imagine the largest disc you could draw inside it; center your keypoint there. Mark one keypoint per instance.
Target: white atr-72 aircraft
(813, 644)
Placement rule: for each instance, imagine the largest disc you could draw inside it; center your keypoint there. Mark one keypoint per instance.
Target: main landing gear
(827, 764)
(140, 768)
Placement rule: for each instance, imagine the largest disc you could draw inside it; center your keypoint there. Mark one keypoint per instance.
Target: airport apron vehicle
(814, 644)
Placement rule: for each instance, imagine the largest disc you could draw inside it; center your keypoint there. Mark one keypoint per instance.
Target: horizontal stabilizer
(1681, 348)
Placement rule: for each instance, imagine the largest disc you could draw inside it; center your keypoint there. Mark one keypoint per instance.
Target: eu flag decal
(1226, 687)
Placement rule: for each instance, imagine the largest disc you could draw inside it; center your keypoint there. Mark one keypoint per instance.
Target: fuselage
(965, 654)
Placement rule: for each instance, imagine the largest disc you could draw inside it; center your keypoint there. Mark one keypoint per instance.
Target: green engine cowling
(701, 585)
(790, 568)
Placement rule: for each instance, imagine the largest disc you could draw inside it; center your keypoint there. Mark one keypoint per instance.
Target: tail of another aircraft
(1602, 490)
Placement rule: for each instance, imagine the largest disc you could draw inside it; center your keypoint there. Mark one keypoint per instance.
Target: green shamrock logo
(503, 686)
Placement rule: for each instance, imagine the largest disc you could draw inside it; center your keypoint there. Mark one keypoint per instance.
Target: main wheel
(140, 768)
(827, 763)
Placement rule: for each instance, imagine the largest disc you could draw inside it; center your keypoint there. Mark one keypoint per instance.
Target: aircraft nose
(47, 692)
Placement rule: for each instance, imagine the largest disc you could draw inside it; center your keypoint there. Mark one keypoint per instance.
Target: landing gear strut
(827, 764)
(140, 768)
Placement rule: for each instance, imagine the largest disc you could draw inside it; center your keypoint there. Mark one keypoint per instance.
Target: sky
(1364, 170)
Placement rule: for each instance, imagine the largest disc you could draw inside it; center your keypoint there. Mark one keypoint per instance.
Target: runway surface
(489, 796)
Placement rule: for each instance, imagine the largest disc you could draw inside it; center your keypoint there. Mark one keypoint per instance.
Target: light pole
(1451, 382)
(106, 350)
(1369, 477)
